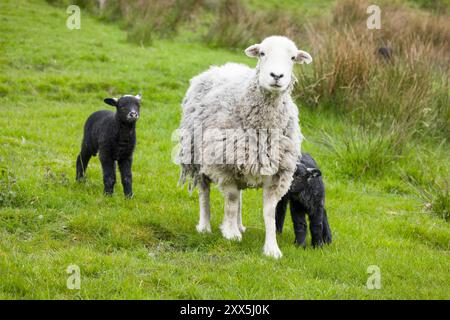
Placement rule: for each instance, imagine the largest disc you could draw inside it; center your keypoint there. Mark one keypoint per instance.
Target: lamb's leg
(327, 238)
(316, 226)
(270, 246)
(240, 225)
(280, 213)
(126, 176)
(82, 163)
(229, 227)
(299, 222)
(204, 224)
(109, 174)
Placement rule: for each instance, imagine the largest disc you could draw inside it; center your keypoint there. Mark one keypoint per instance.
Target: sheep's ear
(111, 101)
(138, 97)
(252, 51)
(314, 172)
(303, 57)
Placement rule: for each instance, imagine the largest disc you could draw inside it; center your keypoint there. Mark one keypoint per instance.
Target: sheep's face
(127, 106)
(277, 56)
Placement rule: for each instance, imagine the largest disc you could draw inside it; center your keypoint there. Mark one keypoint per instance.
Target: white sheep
(240, 129)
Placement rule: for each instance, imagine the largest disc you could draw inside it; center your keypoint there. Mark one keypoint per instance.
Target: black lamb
(113, 136)
(306, 196)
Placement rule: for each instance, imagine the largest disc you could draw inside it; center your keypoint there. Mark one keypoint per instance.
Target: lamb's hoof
(317, 244)
(231, 233)
(242, 228)
(327, 238)
(301, 244)
(203, 228)
(272, 251)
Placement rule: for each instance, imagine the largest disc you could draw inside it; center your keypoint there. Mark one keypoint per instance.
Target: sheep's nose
(134, 114)
(276, 76)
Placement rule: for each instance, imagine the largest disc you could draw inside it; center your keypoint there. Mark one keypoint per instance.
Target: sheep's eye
(293, 58)
(262, 54)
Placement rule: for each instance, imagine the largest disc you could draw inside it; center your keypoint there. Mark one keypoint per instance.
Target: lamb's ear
(252, 51)
(303, 57)
(314, 172)
(111, 101)
(138, 97)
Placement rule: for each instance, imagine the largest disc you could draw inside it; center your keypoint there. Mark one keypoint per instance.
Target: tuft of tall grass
(143, 19)
(237, 26)
(435, 195)
(10, 195)
(425, 173)
(359, 153)
(410, 89)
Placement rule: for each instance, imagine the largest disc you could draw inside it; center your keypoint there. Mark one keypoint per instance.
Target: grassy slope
(54, 78)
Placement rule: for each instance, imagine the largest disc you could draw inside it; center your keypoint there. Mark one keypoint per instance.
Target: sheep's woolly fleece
(229, 97)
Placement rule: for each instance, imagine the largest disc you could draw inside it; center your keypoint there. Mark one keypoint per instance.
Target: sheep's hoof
(231, 233)
(203, 228)
(272, 251)
(242, 228)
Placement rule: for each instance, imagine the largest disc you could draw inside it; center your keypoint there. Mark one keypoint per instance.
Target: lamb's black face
(127, 107)
(302, 175)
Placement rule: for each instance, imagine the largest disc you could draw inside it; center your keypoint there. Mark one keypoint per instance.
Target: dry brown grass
(409, 90)
(235, 26)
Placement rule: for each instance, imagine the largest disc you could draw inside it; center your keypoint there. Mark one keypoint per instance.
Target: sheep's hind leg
(229, 227)
(271, 248)
(204, 223)
(239, 221)
(82, 163)
(327, 238)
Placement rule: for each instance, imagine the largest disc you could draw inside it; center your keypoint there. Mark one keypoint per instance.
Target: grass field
(147, 248)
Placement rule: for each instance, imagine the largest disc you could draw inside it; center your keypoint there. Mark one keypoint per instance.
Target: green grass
(147, 248)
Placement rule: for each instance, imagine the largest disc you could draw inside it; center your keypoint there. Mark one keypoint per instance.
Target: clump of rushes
(349, 75)
(360, 153)
(143, 19)
(236, 26)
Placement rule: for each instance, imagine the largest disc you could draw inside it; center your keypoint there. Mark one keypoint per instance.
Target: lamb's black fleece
(306, 196)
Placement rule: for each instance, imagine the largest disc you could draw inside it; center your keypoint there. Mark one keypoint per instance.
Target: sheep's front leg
(270, 246)
(204, 224)
(126, 176)
(240, 225)
(229, 227)
(109, 174)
